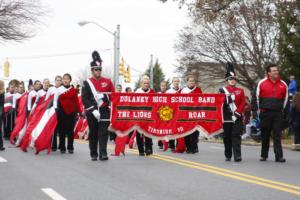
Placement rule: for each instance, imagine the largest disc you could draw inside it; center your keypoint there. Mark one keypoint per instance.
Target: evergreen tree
(289, 39)
(158, 76)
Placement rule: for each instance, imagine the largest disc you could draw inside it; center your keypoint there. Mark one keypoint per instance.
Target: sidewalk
(286, 143)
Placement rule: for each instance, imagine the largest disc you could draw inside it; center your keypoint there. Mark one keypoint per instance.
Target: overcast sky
(147, 27)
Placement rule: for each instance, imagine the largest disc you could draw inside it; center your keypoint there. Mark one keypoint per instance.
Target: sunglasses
(231, 78)
(97, 69)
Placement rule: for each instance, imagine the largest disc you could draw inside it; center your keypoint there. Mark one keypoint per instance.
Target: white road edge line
(52, 194)
(215, 147)
(2, 159)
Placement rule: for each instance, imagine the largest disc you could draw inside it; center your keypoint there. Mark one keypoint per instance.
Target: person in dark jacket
(295, 115)
(269, 101)
(2, 93)
(233, 110)
(66, 104)
(96, 103)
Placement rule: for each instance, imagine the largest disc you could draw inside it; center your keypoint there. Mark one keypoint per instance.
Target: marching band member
(119, 88)
(16, 97)
(144, 147)
(191, 141)
(30, 85)
(18, 94)
(232, 111)
(33, 95)
(43, 91)
(51, 91)
(96, 104)
(112, 135)
(20, 107)
(67, 107)
(174, 89)
(8, 119)
(2, 94)
(163, 89)
(128, 90)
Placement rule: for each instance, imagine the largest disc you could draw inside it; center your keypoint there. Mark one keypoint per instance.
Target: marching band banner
(166, 116)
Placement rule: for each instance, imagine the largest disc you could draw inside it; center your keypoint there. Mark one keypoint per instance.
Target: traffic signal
(6, 66)
(127, 75)
(122, 67)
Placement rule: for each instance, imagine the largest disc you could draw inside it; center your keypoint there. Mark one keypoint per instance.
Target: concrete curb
(247, 143)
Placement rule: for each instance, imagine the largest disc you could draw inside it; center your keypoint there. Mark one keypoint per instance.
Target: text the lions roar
(165, 99)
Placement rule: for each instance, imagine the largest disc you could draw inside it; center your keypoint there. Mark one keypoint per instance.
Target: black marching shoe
(263, 159)
(94, 158)
(281, 160)
(196, 150)
(141, 154)
(2, 148)
(227, 159)
(71, 151)
(103, 157)
(238, 159)
(149, 152)
(189, 152)
(63, 151)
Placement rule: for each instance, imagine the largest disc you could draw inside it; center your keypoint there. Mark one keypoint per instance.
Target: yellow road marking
(289, 188)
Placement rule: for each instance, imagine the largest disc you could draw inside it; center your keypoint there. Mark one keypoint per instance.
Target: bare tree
(202, 6)
(244, 34)
(18, 19)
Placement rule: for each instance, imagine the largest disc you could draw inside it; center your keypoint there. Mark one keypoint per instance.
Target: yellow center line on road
(289, 188)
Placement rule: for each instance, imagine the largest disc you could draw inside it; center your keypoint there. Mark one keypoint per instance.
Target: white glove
(234, 118)
(99, 96)
(96, 115)
(232, 97)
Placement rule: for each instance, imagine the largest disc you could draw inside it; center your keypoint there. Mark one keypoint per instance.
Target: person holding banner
(96, 103)
(191, 141)
(233, 109)
(144, 143)
(163, 89)
(175, 89)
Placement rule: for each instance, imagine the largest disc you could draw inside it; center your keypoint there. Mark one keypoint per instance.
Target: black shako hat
(97, 61)
(229, 71)
(30, 82)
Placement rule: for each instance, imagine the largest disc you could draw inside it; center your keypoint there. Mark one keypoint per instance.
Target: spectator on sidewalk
(292, 86)
(296, 120)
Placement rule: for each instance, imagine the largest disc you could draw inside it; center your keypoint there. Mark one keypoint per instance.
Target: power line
(53, 55)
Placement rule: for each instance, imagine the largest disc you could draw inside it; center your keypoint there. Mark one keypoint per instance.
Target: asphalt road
(168, 176)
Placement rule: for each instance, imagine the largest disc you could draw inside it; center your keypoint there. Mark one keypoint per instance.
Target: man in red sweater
(233, 110)
(269, 100)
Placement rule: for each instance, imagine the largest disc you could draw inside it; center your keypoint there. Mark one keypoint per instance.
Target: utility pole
(151, 71)
(117, 55)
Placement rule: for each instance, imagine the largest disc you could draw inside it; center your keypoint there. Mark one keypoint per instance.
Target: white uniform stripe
(286, 94)
(53, 194)
(258, 92)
